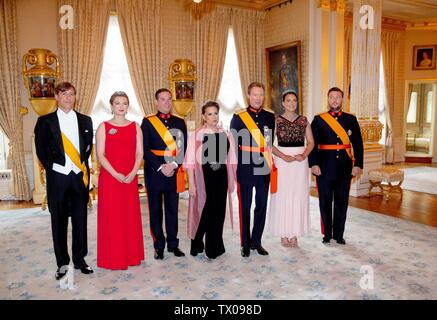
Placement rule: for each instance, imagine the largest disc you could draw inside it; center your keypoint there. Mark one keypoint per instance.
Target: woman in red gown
(119, 145)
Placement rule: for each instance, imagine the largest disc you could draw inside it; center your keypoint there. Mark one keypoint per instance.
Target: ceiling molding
(393, 24)
(430, 4)
(422, 26)
(412, 11)
(248, 4)
(251, 4)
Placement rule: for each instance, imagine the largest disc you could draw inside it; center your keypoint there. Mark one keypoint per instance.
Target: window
(412, 108)
(230, 94)
(115, 77)
(381, 102)
(4, 149)
(429, 98)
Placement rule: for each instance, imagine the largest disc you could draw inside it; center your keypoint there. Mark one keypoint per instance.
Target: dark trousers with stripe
(171, 202)
(245, 193)
(67, 196)
(336, 190)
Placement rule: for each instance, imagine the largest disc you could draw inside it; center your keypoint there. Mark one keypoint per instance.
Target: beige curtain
(389, 48)
(347, 63)
(210, 40)
(248, 26)
(81, 49)
(141, 30)
(10, 119)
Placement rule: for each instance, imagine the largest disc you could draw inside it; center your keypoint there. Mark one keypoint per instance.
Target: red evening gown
(119, 229)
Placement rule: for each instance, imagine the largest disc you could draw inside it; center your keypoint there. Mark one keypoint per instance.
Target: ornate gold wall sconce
(182, 78)
(41, 80)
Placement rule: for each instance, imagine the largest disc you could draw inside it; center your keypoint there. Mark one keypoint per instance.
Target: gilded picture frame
(424, 57)
(283, 64)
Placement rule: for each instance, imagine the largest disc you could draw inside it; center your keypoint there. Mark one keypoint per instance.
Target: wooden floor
(414, 206)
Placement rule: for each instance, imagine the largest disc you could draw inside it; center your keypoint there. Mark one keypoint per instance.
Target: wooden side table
(384, 179)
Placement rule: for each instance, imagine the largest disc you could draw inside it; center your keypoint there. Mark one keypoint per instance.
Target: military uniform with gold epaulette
(160, 187)
(251, 160)
(336, 160)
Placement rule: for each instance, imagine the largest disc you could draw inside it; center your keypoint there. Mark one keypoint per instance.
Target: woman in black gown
(210, 163)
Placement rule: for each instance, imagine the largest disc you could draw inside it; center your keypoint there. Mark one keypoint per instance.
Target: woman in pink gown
(119, 145)
(289, 206)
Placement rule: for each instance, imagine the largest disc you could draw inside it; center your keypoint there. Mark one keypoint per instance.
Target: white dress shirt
(69, 126)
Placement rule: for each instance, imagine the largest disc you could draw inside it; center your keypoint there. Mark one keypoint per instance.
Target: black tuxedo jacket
(48, 140)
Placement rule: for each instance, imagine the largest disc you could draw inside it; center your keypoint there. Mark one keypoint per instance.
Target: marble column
(366, 50)
(336, 41)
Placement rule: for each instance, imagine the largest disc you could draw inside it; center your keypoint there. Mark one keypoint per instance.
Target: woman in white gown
(289, 206)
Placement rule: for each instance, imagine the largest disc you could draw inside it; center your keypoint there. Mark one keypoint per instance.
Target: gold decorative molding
(422, 26)
(338, 5)
(325, 4)
(371, 131)
(23, 110)
(393, 24)
(251, 4)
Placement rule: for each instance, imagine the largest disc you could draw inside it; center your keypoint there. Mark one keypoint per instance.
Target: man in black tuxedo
(162, 169)
(334, 163)
(63, 141)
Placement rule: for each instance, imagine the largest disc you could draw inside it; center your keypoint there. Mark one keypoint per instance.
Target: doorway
(420, 121)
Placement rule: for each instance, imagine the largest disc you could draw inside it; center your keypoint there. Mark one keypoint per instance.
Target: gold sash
(74, 155)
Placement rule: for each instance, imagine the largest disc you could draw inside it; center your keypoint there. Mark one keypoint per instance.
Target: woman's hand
(288, 158)
(192, 190)
(130, 177)
(300, 157)
(119, 177)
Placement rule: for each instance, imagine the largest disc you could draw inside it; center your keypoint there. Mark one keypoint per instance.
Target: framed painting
(424, 57)
(283, 73)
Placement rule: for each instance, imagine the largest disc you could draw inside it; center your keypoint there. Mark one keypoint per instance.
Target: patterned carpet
(421, 179)
(401, 255)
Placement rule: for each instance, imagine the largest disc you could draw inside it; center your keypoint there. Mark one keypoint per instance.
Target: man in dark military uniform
(162, 166)
(253, 169)
(336, 158)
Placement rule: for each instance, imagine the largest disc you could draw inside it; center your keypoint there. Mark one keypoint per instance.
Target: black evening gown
(215, 149)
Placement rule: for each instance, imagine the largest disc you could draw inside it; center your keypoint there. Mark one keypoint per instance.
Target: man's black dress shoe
(341, 241)
(85, 269)
(260, 250)
(326, 240)
(61, 272)
(159, 254)
(176, 251)
(245, 252)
